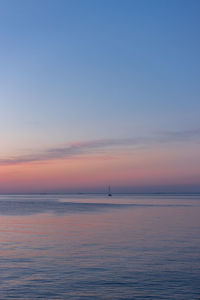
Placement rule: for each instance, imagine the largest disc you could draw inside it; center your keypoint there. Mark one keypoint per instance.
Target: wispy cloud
(102, 145)
(183, 135)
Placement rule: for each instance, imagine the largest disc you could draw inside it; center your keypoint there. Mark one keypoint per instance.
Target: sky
(98, 93)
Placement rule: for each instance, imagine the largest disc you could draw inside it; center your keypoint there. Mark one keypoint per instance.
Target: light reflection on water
(75, 247)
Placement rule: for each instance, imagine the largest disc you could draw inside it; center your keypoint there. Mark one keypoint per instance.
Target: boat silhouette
(109, 192)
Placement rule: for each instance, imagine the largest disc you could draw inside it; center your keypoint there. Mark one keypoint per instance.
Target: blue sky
(89, 70)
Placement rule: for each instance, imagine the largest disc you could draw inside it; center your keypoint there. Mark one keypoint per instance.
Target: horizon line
(95, 193)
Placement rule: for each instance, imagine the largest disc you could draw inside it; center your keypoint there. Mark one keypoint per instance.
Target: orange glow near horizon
(122, 168)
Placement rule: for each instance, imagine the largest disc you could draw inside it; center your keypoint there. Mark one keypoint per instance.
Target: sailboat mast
(109, 191)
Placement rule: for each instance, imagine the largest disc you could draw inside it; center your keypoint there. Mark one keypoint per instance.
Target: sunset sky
(98, 93)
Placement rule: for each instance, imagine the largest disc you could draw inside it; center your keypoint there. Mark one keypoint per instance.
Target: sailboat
(109, 192)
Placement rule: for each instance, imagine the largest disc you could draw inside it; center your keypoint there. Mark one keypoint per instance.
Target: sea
(99, 247)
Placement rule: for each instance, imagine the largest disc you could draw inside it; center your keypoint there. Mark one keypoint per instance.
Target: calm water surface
(95, 247)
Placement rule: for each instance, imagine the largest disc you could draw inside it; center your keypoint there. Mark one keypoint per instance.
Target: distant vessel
(109, 192)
